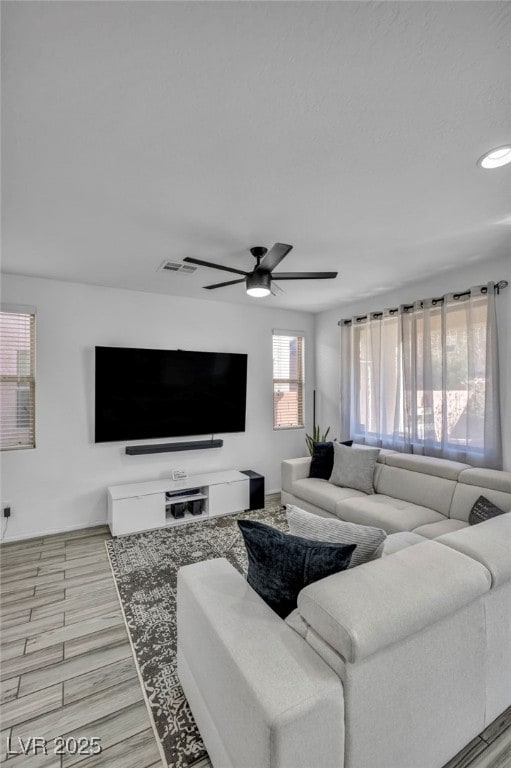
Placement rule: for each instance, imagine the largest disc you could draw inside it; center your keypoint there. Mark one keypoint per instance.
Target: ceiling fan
(259, 281)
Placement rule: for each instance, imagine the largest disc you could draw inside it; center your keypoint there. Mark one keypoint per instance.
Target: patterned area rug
(145, 569)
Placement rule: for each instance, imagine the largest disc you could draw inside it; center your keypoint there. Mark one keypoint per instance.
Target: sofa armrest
(294, 469)
(368, 608)
(261, 697)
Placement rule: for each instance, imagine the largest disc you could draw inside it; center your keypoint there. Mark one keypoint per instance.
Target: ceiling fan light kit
(259, 281)
(258, 284)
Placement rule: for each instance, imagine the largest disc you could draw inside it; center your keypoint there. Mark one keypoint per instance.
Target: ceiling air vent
(175, 266)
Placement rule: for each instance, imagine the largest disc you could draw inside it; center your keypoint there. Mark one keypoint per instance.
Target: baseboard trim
(53, 531)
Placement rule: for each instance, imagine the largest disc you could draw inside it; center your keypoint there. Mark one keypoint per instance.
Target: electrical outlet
(6, 508)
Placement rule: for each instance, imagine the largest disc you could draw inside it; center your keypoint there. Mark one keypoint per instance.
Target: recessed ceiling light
(496, 157)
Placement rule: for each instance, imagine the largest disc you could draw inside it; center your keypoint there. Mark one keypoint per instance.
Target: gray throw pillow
(354, 467)
(369, 540)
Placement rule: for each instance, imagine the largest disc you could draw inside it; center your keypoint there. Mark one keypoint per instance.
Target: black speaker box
(256, 485)
(178, 510)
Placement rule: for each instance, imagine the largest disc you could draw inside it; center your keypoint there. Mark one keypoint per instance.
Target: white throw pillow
(354, 467)
(369, 540)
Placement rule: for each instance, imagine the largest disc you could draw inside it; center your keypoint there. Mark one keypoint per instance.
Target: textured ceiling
(135, 132)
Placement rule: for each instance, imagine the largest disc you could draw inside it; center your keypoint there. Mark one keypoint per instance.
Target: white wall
(61, 484)
(328, 334)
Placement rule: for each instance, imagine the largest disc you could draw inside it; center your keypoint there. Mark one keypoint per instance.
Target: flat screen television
(151, 393)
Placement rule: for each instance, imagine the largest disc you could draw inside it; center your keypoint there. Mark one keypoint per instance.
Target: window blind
(288, 380)
(17, 380)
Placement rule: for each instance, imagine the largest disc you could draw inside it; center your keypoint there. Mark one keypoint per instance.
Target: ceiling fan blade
(304, 275)
(213, 266)
(276, 289)
(222, 285)
(274, 256)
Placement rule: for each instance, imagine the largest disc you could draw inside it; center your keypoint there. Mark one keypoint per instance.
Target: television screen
(149, 393)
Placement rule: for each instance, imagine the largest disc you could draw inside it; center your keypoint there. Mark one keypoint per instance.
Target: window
(424, 378)
(17, 379)
(288, 350)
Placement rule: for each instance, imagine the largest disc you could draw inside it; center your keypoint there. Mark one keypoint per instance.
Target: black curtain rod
(498, 288)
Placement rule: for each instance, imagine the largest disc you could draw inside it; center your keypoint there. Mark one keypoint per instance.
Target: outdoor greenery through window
(288, 364)
(17, 380)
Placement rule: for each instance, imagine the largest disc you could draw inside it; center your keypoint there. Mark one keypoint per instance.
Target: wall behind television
(61, 484)
(327, 347)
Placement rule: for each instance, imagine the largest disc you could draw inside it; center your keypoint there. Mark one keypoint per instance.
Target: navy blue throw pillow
(322, 461)
(280, 565)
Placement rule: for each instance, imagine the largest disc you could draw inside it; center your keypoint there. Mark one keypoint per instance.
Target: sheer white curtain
(424, 378)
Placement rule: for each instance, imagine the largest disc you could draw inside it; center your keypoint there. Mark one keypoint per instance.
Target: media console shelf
(142, 506)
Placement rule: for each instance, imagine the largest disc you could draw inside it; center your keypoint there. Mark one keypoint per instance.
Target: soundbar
(169, 495)
(195, 445)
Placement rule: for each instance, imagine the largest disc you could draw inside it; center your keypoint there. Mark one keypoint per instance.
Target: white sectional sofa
(397, 663)
(428, 496)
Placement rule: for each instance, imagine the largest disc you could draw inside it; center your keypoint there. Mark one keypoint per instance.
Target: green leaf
(316, 437)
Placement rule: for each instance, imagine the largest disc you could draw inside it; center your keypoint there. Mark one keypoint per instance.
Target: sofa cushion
(288, 498)
(393, 515)
(361, 611)
(280, 565)
(369, 540)
(416, 487)
(466, 495)
(427, 465)
(433, 530)
(487, 478)
(398, 541)
(488, 543)
(322, 493)
(383, 454)
(354, 468)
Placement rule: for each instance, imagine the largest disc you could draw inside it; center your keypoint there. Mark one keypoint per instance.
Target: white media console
(139, 507)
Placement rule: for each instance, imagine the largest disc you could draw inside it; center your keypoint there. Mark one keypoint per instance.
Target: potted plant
(316, 437)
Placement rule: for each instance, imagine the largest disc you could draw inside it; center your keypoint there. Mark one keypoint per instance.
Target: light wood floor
(67, 668)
